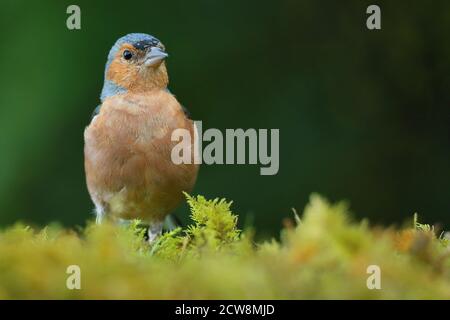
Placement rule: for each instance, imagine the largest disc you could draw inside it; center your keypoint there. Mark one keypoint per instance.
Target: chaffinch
(127, 152)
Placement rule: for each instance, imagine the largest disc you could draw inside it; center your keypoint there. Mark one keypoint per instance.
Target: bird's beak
(154, 56)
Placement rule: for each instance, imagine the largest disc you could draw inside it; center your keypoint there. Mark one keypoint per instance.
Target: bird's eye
(127, 55)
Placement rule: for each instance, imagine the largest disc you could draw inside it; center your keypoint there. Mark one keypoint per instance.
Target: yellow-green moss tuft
(325, 255)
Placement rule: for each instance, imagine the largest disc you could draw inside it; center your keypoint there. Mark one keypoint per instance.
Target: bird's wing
(96, 111)
(185, 110)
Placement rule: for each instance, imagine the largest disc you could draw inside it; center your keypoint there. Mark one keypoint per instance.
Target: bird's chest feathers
(131, 137)
(139, 119)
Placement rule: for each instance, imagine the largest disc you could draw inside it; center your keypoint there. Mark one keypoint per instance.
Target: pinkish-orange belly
(128, 164)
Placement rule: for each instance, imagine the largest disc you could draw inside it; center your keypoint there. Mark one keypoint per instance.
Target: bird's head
(135, 64)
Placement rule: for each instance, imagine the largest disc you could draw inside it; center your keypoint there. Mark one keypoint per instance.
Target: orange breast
(128, 164)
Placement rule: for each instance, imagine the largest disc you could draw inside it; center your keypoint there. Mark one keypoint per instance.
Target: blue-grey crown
(138, 40)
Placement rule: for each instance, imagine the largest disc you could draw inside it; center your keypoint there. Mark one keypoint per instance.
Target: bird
(127, 145)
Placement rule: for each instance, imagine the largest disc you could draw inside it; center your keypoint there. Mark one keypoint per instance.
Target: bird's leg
(154, 231)
(100, 214)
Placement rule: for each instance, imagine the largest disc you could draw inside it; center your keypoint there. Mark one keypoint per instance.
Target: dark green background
(363, 115)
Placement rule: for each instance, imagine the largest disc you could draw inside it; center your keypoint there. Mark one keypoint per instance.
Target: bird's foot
(154, 231)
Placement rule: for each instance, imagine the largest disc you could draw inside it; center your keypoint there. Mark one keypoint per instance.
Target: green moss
(324, 255)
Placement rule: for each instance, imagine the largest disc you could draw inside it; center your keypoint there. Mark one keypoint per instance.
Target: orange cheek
(121, 74)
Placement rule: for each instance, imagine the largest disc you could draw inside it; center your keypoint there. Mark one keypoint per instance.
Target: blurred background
(364, 116)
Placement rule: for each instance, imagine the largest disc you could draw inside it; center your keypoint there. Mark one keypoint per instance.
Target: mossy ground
(324, 255)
